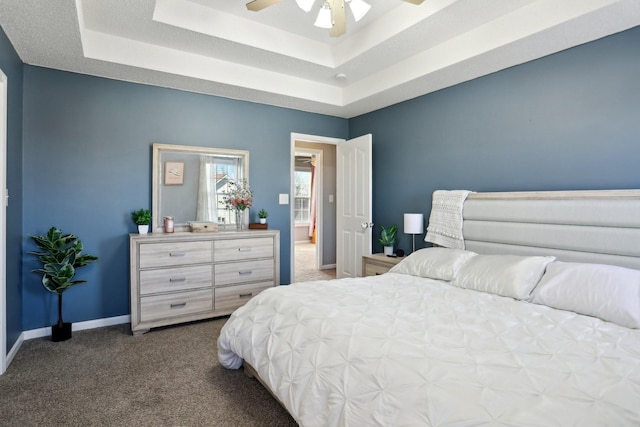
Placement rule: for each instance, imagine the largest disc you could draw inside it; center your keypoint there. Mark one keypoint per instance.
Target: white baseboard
(14, 350)
(327, 267)
(78, 326)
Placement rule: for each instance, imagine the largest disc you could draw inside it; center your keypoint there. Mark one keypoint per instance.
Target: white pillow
(604, 291)
(507, 275)
(434, 263)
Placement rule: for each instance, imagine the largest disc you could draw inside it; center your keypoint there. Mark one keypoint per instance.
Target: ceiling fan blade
(414, 1)
(257, 5)
(338, 18)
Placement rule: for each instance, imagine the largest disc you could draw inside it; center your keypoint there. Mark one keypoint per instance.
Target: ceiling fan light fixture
(324, 16)
(359, 8)
(305, 5)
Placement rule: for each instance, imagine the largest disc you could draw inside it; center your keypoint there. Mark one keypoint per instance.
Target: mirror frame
(157, 218)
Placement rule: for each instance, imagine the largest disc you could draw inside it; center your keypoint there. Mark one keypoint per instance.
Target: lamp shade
(305, 5)
(324, 17)
(413, 223)
(359, 8)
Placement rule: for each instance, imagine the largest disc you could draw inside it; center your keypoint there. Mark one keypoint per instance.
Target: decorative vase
(388, 250)
(240, 216)
(143, 229)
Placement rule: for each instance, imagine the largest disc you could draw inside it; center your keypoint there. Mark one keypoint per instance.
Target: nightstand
(375, 264)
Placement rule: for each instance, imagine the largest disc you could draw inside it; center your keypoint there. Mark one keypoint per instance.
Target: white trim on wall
(78, 326)
(3, 222)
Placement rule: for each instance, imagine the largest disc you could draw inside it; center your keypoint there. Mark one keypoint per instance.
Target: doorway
(313, 208)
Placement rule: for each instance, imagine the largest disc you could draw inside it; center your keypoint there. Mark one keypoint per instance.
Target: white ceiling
(276, 56)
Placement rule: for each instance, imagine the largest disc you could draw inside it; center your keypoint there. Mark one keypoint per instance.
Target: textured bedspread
(396, 350)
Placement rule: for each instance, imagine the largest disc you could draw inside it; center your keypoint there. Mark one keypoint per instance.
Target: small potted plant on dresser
(262, 216)
(388, 238)
(142, 218)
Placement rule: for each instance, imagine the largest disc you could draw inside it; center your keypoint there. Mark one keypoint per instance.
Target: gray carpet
(107, 377)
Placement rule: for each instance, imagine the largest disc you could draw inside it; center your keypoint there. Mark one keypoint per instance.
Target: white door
(3, 204)
(353, 205)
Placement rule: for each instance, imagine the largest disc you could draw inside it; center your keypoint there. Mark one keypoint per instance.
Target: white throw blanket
(445, 221)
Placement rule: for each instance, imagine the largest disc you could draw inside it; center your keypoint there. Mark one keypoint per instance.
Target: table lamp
(413, 224)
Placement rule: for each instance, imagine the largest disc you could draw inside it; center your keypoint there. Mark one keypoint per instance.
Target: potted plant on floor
(60, 255)
(142, 218)
(262, 216)
(388, 238)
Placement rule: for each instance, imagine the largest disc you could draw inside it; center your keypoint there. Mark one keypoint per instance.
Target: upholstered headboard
(576, 226)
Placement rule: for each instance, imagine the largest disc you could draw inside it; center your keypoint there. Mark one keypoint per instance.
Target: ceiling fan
(332, 13)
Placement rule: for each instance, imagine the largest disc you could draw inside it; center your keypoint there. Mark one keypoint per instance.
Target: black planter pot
(61, 333)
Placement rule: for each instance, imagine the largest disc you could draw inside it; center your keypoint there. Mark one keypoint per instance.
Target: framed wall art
(173, 173)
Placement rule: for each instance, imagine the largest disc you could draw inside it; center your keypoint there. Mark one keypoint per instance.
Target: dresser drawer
(160, 307)
(240, 249)
(246, 271)
(167, 254)
(175, 279)
(232, 297)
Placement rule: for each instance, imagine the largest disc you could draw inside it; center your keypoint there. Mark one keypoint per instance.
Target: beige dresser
(181, 277)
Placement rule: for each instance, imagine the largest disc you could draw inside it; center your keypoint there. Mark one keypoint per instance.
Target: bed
(534, 323)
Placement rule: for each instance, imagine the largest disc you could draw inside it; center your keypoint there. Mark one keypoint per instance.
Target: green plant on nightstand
(388, 238)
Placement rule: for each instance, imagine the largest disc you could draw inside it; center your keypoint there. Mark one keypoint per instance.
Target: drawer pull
(179, 305)
(246, 295)
(244, 249)
(176, 254)
(245, 272)
(177, 279)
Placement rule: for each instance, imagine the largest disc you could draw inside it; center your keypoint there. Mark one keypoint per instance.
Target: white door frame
(319, 212)
(3, 222)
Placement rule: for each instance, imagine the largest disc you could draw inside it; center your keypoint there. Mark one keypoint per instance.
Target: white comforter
(396, 350)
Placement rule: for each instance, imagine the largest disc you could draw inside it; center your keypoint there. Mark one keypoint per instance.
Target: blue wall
(12, 67)
(87, 165)
(567, 121)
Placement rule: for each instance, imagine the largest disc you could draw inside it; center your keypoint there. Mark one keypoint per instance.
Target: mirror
(189, 184)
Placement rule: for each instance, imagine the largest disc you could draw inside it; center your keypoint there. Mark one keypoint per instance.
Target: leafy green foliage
(60, 255)
(263, 214)
(141, 217)
(388, 235)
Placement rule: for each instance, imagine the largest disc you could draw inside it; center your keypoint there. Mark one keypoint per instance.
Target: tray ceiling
(398, 51)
